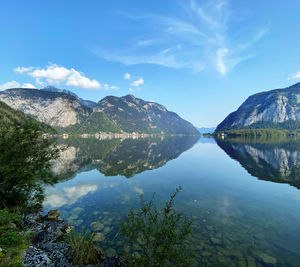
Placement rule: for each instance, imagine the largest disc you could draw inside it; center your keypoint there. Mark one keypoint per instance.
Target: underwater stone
(110, 252)
(267, 259)
(99, 237)
(97, 226)
(106, 230)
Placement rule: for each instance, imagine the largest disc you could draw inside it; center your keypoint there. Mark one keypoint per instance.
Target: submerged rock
(97, 226)
(267, 259)
(115, 261)
(99, 237)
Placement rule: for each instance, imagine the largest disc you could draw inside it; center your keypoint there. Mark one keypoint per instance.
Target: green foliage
(83, 250)
(157, 237)
(7, 217)
(98, 122)
(10, 117)
(259, 133)
(11, 241)
(25, 161)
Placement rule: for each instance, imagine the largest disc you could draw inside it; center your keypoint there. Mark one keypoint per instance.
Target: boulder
(52, 215)
(36, 257)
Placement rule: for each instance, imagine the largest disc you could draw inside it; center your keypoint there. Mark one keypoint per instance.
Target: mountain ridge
(277, 108)
(68, 113)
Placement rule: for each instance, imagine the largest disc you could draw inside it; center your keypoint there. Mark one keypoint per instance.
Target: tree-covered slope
(278, 109)
(98, 122)
(10, 117)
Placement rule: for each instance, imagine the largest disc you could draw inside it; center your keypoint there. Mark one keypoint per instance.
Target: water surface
(241, 194)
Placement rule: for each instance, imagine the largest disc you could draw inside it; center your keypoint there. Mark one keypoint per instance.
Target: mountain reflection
(266, 159)
(113, 157)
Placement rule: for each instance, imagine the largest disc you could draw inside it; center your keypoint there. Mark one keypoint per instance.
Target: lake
(241, 194)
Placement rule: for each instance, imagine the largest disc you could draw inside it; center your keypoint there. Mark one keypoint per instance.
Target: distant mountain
(278, 109)
(136, 115)
(67, 113)
(53, 89)
(10, 117)
(204, 130)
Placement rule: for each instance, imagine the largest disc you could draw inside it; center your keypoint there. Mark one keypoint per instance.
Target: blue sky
(199, 58)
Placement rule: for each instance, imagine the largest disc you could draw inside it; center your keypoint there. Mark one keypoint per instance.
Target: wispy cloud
(295, 76)
(127, 76)
(138, 82)
(200, 38)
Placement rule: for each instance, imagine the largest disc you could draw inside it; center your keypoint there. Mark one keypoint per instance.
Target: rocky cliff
(68, 113)
(53, 108)
(279, 108)
(136, 115)
(11, 117)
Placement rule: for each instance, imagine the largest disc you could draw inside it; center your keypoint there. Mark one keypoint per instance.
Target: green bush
(11, 240)
(83, 250)
(157, 237)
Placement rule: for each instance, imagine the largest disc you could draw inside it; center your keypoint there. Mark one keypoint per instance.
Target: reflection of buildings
(277, 162)
(119, 156)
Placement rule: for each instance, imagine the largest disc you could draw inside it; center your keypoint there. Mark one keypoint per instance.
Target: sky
(198, 58)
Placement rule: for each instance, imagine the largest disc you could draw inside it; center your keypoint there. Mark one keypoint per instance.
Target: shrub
(83, 249)
(157, 237)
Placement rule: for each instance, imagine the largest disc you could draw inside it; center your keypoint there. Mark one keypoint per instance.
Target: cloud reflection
(58, 197)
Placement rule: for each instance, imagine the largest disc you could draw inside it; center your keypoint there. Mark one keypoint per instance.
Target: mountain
(10, 117)
(279, 109)
(87, 103)
(56, 109)
(271, 160)
(136, 115)
(204, 130)
(67, 113)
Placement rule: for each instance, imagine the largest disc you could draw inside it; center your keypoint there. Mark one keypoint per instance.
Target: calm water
(241, 194)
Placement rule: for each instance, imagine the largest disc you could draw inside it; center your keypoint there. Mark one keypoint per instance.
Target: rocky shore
(47, 249)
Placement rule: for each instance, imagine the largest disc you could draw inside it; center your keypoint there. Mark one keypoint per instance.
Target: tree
(25, 161)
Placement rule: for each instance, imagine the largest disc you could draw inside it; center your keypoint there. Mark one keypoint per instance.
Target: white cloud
(131, 90)
(28, 85)
(220, 64)
(127, 76)
(138, 82)
(55, 74)
(77, 79)
(8, 85)
(20, 70)
(109, 87)
(295, 76)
